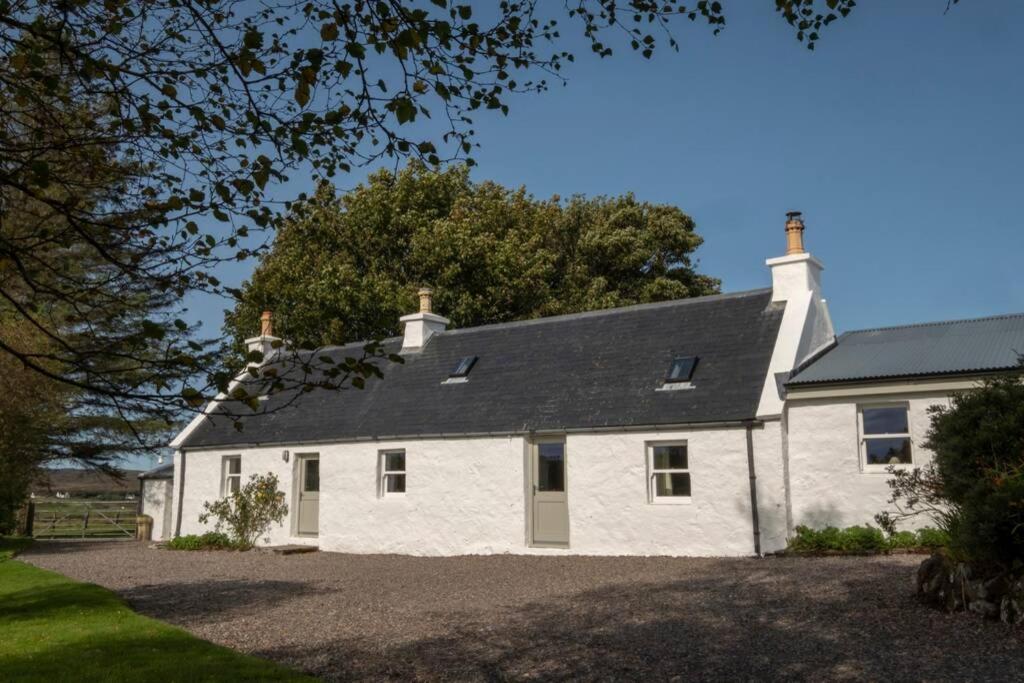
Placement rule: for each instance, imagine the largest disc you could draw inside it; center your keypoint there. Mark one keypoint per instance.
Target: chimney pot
(794, 233)
(266, 324)
(426, 295)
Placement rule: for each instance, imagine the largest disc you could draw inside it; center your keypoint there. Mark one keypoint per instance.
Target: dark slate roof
(583, 371)
(951, 347)
(161, 472)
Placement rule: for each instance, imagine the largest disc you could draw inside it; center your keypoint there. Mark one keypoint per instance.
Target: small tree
(248, 513)
(974, 489)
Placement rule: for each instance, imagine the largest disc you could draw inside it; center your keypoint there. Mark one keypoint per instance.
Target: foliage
(55, 629)
(211, 540)
(974, 487)
(209, 106)
(249, 512)
(929, 537)
(861, 539)
(345, 268)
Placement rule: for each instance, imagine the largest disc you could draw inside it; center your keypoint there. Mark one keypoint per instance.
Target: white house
(709, 426)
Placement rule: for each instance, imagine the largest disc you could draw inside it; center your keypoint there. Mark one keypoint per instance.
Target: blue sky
(898, 137)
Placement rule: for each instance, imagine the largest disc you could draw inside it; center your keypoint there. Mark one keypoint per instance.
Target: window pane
(551, 467)
(311, 482)
(234, 465)
(670, 458)
(888, 451)
(234, 483)
(885, 420)
(394, 462)
(394, 483)
(672, 484)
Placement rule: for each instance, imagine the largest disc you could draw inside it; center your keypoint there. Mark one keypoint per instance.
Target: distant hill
(86, 483)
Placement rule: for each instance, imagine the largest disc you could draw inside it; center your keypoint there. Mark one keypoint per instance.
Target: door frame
(298, 476)
(530, 461)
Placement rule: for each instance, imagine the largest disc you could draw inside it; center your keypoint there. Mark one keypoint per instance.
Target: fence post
(85, 522)
(30, 515)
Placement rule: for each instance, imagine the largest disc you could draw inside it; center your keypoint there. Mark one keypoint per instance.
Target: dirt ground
(344, 617)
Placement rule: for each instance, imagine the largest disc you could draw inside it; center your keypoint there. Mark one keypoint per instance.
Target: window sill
(884, 469)
(676, 500)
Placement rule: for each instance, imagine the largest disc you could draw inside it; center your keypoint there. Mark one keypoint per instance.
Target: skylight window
(463, 367)
(681, 369)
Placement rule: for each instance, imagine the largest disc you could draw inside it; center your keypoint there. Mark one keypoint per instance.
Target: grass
(56, 629)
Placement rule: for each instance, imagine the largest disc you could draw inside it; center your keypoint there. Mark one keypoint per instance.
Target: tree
(345, 268)
(216, 100)
(975, 486)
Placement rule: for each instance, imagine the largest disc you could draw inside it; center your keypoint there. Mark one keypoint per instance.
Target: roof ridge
(611, 311)
(936, 323)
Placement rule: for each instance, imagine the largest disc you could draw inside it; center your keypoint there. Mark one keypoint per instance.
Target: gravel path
(513, 617)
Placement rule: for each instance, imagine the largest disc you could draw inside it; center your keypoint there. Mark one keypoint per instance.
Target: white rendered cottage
(659, 429)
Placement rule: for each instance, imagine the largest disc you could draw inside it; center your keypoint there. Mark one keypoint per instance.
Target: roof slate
(929, 349)
(590, 370)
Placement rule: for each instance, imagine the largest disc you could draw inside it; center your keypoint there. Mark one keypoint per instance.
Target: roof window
(681, 369)
(463, 367)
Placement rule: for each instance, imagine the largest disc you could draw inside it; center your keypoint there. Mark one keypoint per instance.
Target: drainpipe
(181, 495)
(753, 489)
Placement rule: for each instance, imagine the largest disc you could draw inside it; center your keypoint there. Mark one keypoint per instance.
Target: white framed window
(392, 473)
(884, 436)
(231, 475)
(668, 473)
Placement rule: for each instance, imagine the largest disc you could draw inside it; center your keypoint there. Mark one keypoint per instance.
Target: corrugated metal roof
(940, 348)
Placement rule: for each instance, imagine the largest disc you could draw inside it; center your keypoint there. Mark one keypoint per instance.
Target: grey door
(550, 504)
(309, 495)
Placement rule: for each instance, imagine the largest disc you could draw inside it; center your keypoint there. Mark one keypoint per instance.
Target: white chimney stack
(806, 326)
(266, 341)
(796, 273)
(421, 326)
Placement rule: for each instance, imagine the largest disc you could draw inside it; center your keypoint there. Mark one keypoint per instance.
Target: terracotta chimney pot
(426, 295)
(266, 324)
(794, 233)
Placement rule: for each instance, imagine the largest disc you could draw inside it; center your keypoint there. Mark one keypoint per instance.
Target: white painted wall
(203, 476)
(828, 486)
(155, 499)
(469, 495)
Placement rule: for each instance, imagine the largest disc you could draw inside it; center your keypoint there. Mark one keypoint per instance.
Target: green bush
(904, 539)
(208, 541)
(856, 539)
(932, 538)
(974, 488)
(862, 538)
(249, 512)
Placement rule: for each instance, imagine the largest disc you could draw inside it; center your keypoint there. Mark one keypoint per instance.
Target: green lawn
(56, 629)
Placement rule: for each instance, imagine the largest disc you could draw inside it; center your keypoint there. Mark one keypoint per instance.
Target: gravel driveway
(510, 617)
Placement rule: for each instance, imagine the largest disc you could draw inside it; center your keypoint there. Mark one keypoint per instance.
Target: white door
(550, 505)
(309, 495)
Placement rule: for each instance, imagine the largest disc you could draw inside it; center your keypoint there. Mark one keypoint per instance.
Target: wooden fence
(46, 518)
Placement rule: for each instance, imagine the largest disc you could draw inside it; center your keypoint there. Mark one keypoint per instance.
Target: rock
(975, 590)
(931, 578)
(985, 608)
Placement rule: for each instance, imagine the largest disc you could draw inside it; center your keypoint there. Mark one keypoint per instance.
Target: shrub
(248, 513)
(855, 539)
(974, 489)
(208, 541)
(904, 539)
(932, 538)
